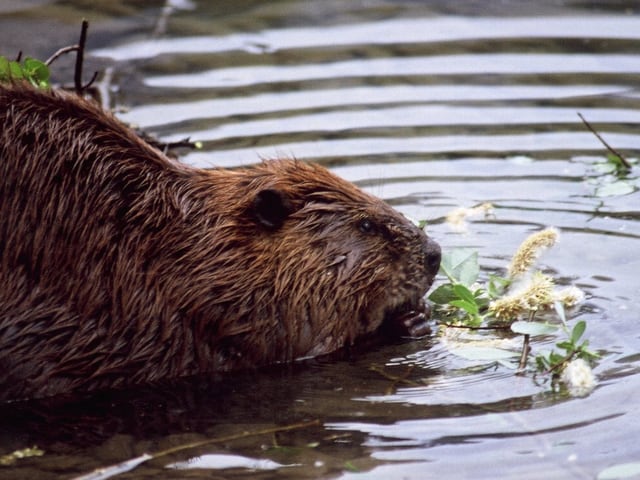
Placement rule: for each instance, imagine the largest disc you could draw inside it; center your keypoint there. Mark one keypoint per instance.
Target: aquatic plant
(614, 174)
(512, 302)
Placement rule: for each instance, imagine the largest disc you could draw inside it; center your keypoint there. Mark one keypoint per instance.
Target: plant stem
(624, 161)
(526, 348)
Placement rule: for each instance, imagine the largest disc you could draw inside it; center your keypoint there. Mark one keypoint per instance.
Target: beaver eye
(366, 226)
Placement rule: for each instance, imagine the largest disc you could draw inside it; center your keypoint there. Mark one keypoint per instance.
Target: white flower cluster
(578, 377)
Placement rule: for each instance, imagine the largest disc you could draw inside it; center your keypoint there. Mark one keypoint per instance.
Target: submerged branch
(396, 379)
(104, 473)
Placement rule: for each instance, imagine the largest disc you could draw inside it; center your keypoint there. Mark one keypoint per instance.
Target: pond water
(432, 106)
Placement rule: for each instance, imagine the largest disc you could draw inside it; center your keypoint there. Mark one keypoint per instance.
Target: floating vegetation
(11, 458)
(614, 176)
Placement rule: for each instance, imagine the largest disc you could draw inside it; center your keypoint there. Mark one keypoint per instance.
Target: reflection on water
(431, 107)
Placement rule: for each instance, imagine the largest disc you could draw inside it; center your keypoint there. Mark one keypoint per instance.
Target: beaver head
(324, 261)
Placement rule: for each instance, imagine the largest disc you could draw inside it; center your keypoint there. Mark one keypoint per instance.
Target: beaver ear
(271, 208)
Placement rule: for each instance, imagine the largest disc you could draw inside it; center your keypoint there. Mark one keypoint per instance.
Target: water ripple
(461, 64)
(387, 32)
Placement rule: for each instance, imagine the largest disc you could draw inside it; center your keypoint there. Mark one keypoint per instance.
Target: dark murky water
(432, 106)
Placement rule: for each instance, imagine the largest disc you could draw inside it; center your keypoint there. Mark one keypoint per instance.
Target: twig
(560, 365)
(79, 47)
(237, 436)
(494, 326)
(624, 161)
(128, 465)
(90, 82)
(164, 147)
(77, 78)
(59, 53)
(184, 143)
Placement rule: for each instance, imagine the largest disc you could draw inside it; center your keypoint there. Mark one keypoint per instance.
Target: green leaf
(497, 286)
(350, 466)
(587, 354)
(621, 470)
(542, 362)
(31, 69)
(15, 70)
(577, 331)
(443, 294)
(464, 293)
(5, 71)
(604, 168)
(566, 345)
(615, 189)
(533, 328)
(36, 70)
(614, 159)
(468, 307)
(619, 165)
(461, 266)
(555, 358)
(559, 307)
(483, 353)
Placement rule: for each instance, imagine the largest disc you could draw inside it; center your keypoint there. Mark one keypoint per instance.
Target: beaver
(120, 266)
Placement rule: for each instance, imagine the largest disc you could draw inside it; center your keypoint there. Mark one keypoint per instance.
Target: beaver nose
(432, 256)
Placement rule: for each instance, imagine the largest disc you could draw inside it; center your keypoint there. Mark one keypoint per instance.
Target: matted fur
(120, 266)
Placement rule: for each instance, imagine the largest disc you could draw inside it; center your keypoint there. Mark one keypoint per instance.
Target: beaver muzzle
(410, 318)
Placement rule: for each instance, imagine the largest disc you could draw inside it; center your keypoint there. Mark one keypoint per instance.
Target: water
(432, 106)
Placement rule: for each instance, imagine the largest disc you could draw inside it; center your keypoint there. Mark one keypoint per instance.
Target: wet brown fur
(119, 266)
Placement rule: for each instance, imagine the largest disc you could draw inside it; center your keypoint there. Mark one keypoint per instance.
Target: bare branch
(90, 82)
(59, 53)
(80, 57)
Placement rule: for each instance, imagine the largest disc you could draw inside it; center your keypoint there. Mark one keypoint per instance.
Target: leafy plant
(554, 362)
(619, 167)
(510, 302)
(461, 268)
(32, 70)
